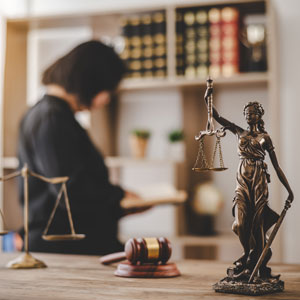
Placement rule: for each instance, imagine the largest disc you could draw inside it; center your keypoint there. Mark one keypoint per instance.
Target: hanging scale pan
(62, 237)
(202, 164)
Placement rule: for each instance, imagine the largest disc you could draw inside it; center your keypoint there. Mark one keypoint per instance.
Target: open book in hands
(154, 195)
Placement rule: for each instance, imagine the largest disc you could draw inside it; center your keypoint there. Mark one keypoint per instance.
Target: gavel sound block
(146, 257)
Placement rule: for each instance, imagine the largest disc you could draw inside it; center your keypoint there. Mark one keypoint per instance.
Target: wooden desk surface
(83, 277)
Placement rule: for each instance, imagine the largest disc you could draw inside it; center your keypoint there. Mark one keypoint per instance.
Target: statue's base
(242, 287)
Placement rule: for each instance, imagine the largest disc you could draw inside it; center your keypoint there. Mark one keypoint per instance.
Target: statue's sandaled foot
(265, 273)
(239, 266)
(241, 261)
(244, 275)
(236, 274)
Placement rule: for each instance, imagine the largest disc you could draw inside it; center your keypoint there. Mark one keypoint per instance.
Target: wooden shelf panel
(178, 82)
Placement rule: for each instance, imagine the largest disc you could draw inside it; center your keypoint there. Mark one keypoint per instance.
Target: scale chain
(221, 155)
(63, 190)
(201, 153)
(53, 211)
(204, 161)
(198, 155)
(214, 154)
(210, 131)
(68, 208)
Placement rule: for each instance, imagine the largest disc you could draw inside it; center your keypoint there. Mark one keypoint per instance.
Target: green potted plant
(176, 145)
(138, 142)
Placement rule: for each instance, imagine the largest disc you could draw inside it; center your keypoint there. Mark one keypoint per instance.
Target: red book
(215, 42)
(230, 41)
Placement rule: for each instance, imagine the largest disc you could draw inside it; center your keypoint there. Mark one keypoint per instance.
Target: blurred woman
(54, 144)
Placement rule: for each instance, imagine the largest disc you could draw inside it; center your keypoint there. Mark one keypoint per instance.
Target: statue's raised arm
(222, 121)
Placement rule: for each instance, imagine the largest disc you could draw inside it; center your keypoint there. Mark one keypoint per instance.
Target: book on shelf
(202, 49)
(213, 41)
(230, 41)
(125, 54)
(189, 44)
(179, 44)
(145, 45)
(135, 46)
(132, 46)
(160, 50)
(209, 41)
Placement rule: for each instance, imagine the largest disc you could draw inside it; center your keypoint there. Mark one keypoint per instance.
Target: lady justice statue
(253, 216)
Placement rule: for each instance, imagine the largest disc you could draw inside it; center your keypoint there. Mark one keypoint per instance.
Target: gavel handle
(112, 258)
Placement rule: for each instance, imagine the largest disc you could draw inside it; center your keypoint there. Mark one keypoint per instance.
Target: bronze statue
(253, 216)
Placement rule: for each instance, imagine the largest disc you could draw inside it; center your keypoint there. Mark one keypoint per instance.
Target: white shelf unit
(230, 93)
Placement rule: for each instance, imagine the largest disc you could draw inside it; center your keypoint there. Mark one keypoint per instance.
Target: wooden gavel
(142, 251)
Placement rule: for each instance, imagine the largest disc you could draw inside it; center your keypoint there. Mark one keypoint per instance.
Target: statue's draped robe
(251, 194)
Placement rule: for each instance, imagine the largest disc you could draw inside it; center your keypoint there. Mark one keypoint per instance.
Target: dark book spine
(125, 54)
(179, 43)
(189, 44)
(159, 45)
(135, 45)
(147, 45)
(202, 38)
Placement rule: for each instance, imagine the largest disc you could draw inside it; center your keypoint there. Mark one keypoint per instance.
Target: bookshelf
(23, 67)
(239, 79)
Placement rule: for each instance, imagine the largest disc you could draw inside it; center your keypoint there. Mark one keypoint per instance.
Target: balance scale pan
(63, 237)
(218, 169)
(3, 232)
(200, 169)
(209, 169)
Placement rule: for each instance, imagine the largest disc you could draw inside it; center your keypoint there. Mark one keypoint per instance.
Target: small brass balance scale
(26, 260)
(202, 164)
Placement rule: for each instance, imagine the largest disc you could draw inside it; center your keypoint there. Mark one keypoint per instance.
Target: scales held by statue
(250, 274)
(203, 163)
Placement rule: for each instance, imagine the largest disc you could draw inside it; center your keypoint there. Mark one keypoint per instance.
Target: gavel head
(148, 250)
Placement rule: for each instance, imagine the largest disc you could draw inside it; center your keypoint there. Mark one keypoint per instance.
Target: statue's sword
(271, 239)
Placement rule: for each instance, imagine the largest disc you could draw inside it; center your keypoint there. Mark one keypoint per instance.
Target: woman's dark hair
(259, 111)
(88, 69)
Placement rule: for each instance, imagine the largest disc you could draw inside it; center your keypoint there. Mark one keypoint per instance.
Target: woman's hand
(129, 194)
